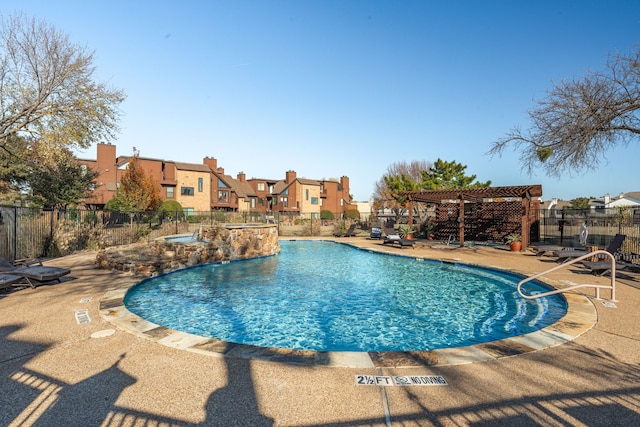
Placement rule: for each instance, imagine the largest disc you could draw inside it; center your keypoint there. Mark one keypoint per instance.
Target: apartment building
(301, 195)
(206, 187)
(194, 187)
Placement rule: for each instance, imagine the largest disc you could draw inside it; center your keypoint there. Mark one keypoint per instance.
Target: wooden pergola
(525, 193)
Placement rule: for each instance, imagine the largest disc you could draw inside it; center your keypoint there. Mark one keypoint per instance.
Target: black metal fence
(563, 227)
(27, 232)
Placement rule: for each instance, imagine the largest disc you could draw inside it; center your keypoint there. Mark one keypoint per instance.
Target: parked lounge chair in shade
(32, 271)
(603, 268)
(614, 246)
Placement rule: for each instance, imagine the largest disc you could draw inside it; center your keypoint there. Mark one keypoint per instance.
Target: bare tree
(579, 120)
(406, 176)
(47, 90)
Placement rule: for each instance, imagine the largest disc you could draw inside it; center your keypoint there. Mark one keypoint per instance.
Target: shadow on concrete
(34, 398)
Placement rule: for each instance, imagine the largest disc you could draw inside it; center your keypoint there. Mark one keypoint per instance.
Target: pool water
(327, 296)
(182, 238)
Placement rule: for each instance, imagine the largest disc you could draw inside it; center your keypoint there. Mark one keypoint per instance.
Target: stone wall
(215, 244)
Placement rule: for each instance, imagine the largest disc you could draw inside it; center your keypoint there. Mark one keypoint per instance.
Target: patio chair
(614, 246)
(32, 271)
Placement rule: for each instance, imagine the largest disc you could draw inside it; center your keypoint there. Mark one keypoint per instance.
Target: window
(170, 191)
(252, 203)
(222, 184)
(314, 200)
(188, 211)
(186, 191)
(223, 196)
(286, 191)
(306, 194)
(284, 201)
(200, 184)
(261, 186)
(271, 189)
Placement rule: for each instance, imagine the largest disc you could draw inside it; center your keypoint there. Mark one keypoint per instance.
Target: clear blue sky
(332, 88)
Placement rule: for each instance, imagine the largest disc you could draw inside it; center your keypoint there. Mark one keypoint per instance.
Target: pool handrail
(612, 286)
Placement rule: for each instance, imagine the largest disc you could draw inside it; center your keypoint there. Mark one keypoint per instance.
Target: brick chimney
(344, 183)
(290, 177)
(211, 162)
(106, 156)
(242, 177)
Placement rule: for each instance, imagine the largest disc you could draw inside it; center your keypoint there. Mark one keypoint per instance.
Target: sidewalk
(56, 370)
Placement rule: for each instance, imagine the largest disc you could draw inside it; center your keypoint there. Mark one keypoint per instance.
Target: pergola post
(410, 210)
(461, 221)
(525, 223)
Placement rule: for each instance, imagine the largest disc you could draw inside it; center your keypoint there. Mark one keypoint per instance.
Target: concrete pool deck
(62, 363)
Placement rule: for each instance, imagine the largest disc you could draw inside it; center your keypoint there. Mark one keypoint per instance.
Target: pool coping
(580, 317)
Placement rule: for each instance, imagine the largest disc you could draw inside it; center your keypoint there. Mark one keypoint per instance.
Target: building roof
(242, 189)
(192, 167)
(305, 181)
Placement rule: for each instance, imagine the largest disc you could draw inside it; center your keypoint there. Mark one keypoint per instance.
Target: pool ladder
(611, 287)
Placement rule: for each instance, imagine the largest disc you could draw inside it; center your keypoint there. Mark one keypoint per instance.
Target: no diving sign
(400, 380)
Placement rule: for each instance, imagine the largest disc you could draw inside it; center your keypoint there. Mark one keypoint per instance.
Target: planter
(515, 246)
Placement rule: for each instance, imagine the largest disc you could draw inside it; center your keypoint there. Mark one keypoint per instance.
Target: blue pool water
(332, 297)
(182, 239)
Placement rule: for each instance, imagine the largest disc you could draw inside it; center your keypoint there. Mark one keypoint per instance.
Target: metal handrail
(612, 287)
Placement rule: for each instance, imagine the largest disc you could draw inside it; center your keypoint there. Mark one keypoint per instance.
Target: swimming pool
(332, 297)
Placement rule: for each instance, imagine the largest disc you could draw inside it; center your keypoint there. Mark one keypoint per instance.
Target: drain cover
(82, 316)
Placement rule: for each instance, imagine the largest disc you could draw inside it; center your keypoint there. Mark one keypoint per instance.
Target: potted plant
(515, 242)
(405, 231)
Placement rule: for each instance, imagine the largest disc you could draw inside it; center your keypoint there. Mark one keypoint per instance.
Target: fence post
(15, 232)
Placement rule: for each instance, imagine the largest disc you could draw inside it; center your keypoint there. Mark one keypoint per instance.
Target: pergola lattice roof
(473, 194)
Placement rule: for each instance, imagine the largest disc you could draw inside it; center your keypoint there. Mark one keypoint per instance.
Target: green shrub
(171, 209)
(352, 214)
(326, 214)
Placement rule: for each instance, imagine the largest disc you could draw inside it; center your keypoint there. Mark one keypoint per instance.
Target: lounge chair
(603, 268)
(376, 231)
(392, 238)
(7, 280)
(614, 246)
(543, 249)
(399, 241)
(349, 233)
(32, 271)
